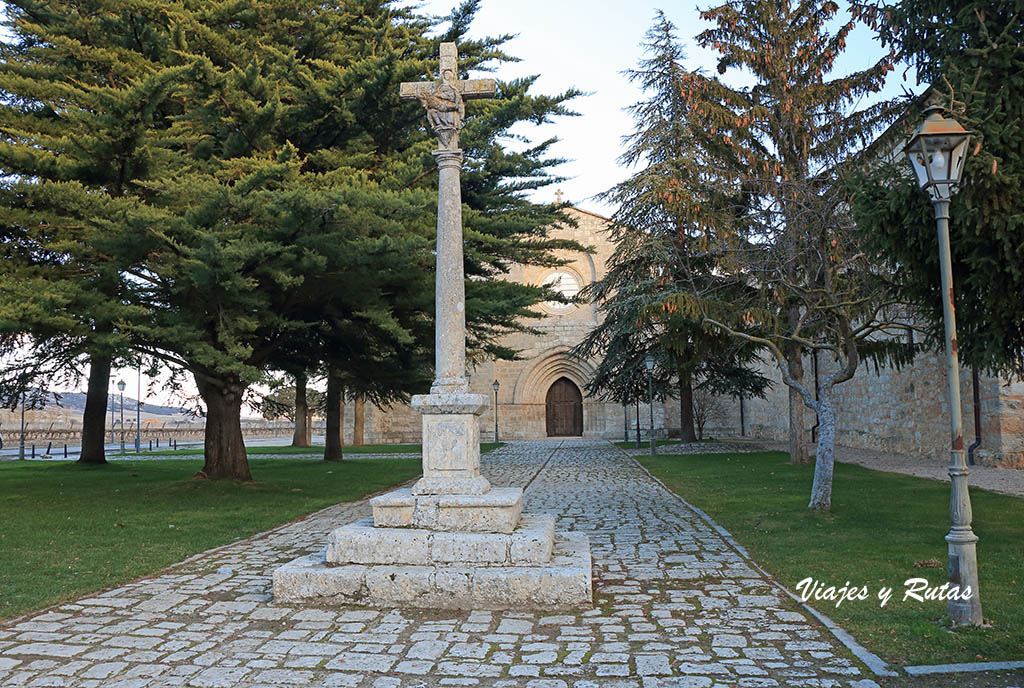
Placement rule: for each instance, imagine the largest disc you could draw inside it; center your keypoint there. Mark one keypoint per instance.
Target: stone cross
(450, 540)
(443, 100)
(451, 435)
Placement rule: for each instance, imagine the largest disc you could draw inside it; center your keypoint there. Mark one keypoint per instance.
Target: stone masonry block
(451, 444)
(361, 543)
(498, 511)
(537, 543)
(453, 548)
(562, 584)
(403, 585)
(309, 577)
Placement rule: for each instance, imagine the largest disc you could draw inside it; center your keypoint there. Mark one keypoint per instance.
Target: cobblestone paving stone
(675, 606)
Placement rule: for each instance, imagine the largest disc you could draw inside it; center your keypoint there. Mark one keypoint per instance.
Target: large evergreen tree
(651, 229)
(762, 189)
(84, 112)
(971, 53)
(793, 123)
(304, 218)
(288, 196)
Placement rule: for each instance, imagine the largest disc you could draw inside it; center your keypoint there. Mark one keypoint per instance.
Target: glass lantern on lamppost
(120, 388)
(937, 151)
(495, 387)
(649, 364)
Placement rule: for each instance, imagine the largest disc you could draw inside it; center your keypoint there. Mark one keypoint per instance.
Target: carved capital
(448, 157)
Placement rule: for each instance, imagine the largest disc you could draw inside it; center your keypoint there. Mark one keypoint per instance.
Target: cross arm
(477, 88)
(468, 89)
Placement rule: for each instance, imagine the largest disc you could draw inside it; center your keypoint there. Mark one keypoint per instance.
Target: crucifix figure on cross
(445, 98)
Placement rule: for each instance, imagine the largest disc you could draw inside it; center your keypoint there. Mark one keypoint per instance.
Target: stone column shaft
(450, 288)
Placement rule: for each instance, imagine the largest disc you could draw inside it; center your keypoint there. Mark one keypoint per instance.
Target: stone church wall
(543, 358)
(902, 411)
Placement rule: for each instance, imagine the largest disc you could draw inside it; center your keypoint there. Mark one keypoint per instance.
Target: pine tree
(282, 201)
(85, 112)
(651, 228)
(763, 190)
(971, 53)
(303, 224)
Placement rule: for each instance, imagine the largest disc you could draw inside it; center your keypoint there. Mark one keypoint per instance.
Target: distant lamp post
(495, 387)
(937, 151)
(625, 422)
(120, 388)
(649, 364)
(21, 441)
(138, 414)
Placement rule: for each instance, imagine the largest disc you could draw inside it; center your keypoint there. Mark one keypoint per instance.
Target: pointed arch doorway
(564, 406)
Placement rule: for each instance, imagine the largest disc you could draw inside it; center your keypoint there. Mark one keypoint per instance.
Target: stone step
(496, 511)
(563, 583)
(362, 543)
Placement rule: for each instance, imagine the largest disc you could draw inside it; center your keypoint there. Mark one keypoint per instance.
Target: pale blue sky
(588, 44)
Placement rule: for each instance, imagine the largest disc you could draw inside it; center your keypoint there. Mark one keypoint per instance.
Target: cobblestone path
(676, 606)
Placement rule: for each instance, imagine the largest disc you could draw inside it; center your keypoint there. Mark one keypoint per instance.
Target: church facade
(542, 395)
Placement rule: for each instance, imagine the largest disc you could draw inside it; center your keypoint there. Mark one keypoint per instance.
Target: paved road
(676, 605)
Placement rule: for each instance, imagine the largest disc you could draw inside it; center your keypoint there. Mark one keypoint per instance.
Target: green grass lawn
(317, 450)
(880, 526)
(631, 444)
(67, 530)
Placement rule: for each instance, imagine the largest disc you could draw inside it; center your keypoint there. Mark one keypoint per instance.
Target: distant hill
(76, 401)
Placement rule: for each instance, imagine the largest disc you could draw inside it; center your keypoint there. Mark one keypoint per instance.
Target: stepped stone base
(563, 583)
(497, 511)
(361, 543)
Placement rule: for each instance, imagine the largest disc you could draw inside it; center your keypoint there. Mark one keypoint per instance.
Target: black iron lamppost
(649, 364)
(120, 388)
(937, 151)
(495, 386)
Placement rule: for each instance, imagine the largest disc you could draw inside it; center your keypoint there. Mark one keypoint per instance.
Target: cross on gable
(444, 98)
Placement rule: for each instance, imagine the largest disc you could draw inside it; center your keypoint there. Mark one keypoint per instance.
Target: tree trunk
(686, 433)
(224, 448)
(335, 416)
(94, 417)
(300, 438)
(824, 460)
(359, 415)
(797, 435)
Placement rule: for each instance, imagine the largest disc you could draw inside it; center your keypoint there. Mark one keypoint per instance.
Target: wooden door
(564, 409)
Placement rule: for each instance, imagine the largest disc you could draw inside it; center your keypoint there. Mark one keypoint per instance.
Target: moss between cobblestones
(881, 525)
(69, 529)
